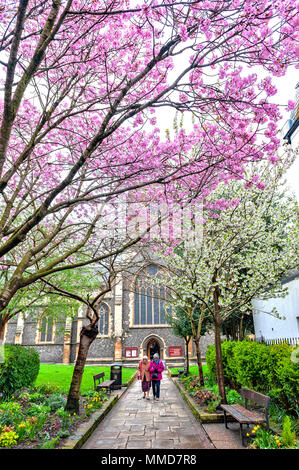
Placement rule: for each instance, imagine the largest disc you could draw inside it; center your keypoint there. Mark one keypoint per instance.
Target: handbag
(155, 375)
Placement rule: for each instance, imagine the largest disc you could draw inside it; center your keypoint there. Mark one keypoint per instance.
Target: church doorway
(153, 347)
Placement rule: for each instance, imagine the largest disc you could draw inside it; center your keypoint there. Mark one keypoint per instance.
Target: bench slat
(107, 383)
(256, 397)
(242, 415)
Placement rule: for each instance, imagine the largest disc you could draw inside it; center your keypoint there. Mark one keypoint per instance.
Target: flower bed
(207, 397)
(35, 418)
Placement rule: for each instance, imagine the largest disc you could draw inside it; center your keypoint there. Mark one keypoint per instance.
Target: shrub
(288, 437)
(8, 438)
(211, 360)
(233, 397)
(266, 369)
(286, 385)
(19, 370)
(10, 413)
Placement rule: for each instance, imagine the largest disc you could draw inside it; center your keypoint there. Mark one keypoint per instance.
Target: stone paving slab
(136, 423)
(223, 438)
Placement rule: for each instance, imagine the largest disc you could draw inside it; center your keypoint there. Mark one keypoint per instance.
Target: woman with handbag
(144, 375)
(156, 367)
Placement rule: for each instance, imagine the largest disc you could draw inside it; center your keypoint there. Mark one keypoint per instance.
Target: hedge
(263, 368)
(20, 368)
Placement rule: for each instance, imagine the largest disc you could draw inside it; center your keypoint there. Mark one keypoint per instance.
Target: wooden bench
(246, 416)
(102, 385)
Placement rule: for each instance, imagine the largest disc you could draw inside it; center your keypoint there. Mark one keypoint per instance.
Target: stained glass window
(103, 319)
(149, 308)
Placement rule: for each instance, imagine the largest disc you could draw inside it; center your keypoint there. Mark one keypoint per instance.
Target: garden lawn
(192, 369)
(61, 375)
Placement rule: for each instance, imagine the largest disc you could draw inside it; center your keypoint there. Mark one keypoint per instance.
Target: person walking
(145, 376)
(156, 368)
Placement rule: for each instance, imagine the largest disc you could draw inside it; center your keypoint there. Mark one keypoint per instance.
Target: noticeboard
(175, 351)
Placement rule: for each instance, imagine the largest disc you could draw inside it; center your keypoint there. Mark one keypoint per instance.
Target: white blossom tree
(250, 240)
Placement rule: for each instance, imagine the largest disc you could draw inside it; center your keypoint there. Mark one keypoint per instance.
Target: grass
(61, 375)
(193, 369)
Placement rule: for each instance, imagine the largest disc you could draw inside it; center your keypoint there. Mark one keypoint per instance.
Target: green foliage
(233, 397)
(263, 439)
(212, 405)
(94, 401)
(286, 385)
(51, 443)
(265, 369)
(46, 388)
(288, 437)
(19, 370)
(55, 402)
(37, 410)
(6, 418)
(207, 397)
(10, 406)
(8, 439)
(11, 413)
(36, 398)
(211, 360)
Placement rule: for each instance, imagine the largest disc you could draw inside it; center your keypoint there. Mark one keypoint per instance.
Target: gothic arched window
(149, 308)
(103, 319)
(46, 330)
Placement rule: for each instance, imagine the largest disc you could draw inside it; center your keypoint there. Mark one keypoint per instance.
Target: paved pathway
(137, 423)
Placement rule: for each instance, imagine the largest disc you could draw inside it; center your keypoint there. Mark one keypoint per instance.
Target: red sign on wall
(175, 351)
(131, 352)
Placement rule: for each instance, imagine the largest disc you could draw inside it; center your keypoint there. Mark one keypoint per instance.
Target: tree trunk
(241, 328)
(198, 358)
(219, 365)
(187, 341)
(2, 328)
(87, 336)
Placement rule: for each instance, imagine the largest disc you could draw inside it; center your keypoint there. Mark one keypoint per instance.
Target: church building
(131, 324)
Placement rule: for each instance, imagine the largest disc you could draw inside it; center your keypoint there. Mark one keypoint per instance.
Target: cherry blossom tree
(82, 83)
(250, 241)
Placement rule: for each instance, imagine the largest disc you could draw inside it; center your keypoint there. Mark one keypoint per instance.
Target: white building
(267, 326)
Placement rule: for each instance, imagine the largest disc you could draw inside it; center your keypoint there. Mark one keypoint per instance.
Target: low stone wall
(202, 416)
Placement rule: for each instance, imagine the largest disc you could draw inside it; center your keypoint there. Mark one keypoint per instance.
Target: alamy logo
(158, 222)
